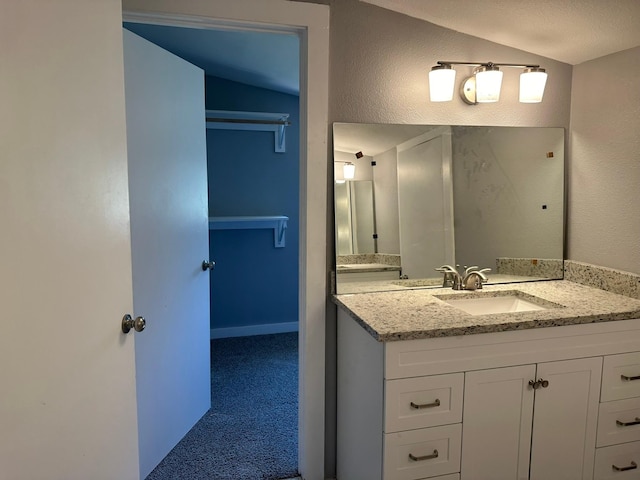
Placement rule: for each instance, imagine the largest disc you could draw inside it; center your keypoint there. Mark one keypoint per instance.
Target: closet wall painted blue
(254, 286)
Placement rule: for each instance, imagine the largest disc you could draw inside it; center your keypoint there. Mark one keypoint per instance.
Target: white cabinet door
(169, 240)
(565, 420)
(498, 407)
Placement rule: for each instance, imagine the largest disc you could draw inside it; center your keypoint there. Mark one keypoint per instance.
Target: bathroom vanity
(427, 390)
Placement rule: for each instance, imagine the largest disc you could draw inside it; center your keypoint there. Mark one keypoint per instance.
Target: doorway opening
(254, 327)
(311, 23)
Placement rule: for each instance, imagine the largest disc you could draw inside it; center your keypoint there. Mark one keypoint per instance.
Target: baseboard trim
(249, 330)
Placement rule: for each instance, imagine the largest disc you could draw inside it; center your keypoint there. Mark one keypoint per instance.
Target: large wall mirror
(424, 196)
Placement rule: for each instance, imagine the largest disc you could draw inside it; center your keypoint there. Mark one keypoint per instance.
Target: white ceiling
(570, 31)
(373, 139)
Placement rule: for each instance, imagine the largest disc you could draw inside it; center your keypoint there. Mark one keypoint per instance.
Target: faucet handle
(468, 270)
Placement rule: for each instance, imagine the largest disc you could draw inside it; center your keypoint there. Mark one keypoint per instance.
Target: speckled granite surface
(367, 267)
(616, 281)
(412, 314)
(381, 258)
(530, 267)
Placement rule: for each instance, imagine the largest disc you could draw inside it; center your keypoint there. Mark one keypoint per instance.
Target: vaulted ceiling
(570, 31)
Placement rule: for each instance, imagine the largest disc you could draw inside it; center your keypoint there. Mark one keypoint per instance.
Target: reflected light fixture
(484, 85)
(349, 168)
(349, 171)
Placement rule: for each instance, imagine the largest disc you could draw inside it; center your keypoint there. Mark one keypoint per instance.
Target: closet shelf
(260, 121)
(276, 222)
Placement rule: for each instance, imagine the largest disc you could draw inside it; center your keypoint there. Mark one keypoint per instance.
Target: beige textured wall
(604, 170)
(379, 68)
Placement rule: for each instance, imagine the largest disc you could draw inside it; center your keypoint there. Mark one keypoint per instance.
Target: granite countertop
(412, 314)
(366, 267)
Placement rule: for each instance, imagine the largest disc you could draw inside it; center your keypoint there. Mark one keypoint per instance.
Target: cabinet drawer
(619, 422)
(424, 453)
(413, 403)
(618, 462)
(621, 377)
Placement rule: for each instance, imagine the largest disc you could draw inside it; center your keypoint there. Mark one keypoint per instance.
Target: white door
(565, 420)
(166, 147)
(496, 428)
(67, 373)
(425, 203)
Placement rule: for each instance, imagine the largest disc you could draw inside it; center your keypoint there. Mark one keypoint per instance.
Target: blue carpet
(251, 430)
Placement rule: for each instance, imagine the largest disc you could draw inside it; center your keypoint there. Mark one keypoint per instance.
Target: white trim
(311, 23)
(248, 330)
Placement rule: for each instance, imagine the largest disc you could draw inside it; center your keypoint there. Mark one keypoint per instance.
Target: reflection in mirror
(426, 196)
(355, 218)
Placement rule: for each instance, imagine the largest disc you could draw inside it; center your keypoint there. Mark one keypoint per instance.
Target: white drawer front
(422, 453)
(621, 377)
(413, 403)
(620, 462)
(619, 422)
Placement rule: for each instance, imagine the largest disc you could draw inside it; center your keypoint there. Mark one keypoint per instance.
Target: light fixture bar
(484, 85)
(488, 64)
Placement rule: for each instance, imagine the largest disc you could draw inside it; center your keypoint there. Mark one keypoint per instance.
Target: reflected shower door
(425, 198)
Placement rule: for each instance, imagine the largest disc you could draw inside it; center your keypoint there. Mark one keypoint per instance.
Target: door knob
(128, 323)
(208, 265)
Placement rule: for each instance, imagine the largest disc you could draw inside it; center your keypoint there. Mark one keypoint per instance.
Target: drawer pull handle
(431, 457)
(628, 379)
(419, 406)
(633, 466)
(627, 424)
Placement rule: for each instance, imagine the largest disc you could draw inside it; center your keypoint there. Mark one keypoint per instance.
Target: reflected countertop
(400, 284)
(406, 314)
(367, 267)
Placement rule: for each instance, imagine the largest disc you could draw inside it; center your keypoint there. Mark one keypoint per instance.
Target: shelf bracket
(257, 121)
(278, 223)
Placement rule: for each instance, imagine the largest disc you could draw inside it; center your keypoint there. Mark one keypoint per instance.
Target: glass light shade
(349, 171)
(532, 83)
(488, 83)
(442, 79)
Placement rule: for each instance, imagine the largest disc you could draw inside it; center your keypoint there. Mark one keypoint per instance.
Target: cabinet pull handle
(536, 384)
(431, 457)
(627, 424)
(419, 406)
(633, 466)
(628, 379)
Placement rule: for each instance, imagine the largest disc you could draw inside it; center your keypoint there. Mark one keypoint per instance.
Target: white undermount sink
(492, 305)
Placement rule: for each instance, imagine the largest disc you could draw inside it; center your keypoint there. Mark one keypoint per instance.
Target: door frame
(310, 22)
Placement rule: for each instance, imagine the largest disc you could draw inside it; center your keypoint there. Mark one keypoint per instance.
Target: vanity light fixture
(485, 83)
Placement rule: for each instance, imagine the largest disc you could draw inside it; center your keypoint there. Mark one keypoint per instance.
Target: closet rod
(256, 122)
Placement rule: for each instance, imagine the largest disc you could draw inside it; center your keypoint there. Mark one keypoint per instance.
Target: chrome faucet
(474, 278)
(451, 277)
(471, 280)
